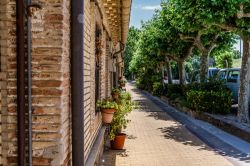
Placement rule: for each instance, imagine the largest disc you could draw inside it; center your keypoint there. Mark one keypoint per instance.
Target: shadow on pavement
(177, 132)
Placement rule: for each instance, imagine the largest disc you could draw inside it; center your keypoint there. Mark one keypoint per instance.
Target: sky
(143, 10)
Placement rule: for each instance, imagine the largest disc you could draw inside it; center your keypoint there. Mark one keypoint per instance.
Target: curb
(220, 123)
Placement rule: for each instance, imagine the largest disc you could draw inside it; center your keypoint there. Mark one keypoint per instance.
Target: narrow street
(156, 139)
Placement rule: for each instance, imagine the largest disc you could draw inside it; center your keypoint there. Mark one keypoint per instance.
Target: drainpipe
(29, 6)
(20, 40)
(77, 79)
(29, 72)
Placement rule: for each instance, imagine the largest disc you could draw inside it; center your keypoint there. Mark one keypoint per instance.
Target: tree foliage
(183, 28)
(224, 59)
(133, 36)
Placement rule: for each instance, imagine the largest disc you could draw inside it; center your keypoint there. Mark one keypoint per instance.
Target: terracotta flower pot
(118, 142)
(115, 95)
(107, 115)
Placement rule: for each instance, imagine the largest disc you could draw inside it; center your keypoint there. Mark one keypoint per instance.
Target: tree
(133, 36)
(230, 16)
(158, 43)
(145, 62)
(205, 39)
(171, 44)
(237, 54)
(224, 59)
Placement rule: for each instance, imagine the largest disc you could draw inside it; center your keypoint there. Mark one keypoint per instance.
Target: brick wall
(8, 81)
(51, 83)
(93, 17)
(92, 121)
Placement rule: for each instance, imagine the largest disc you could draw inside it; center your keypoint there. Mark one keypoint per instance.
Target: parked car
(232, 81)
(212, 73)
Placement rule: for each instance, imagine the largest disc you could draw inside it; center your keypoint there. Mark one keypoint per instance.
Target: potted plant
(108, 108)
(115, 93)
(122, 82)
(120, 121)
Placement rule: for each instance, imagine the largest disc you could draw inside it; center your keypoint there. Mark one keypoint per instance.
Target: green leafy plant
(125, 96)
(116, 90)
(210, 96)
(212, 85)
(210, 101)
(106, 104)
(224, 59)
(175, 89)
(158, 88)
(122, 81)
(120, 121)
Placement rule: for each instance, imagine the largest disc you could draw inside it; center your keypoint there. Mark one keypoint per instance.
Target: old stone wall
(51, 83)
(8, 139)
(51, 80)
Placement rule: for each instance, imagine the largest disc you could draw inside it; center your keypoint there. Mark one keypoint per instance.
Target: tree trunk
(204, 67)
(169, 70)
(162, 74)
(243, 112)
(181, 69)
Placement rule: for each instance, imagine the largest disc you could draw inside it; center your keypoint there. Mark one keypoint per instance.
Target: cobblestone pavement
(156, 139)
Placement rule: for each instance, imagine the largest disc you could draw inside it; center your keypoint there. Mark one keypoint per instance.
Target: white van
(232, 81)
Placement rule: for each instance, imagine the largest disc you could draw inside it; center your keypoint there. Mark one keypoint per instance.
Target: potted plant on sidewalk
(120, 121)
(115, 93)
(122, 82)
(108, 108)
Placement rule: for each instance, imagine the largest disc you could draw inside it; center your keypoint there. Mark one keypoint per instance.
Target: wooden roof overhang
(118, 16)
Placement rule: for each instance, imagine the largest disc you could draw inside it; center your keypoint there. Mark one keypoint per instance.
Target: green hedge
(210, 101)
(158, 88)
(175, 89)
(211, 97)
(207, 86)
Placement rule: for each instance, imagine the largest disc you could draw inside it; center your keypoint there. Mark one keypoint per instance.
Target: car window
(233, 76)
(222, 75)
(214, 72)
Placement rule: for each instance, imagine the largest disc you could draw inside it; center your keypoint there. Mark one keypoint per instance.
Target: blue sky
(143, 10)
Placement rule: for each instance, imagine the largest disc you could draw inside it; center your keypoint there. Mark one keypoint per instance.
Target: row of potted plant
(114, 113)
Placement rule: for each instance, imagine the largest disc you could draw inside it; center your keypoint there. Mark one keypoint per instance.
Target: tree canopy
(184, 28)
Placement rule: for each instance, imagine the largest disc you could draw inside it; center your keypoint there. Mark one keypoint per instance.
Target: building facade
(36, 77)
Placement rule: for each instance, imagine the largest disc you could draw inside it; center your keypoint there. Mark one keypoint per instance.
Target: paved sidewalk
(156, 139)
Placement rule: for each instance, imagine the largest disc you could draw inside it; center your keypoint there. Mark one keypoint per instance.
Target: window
(233, 76)
(98, 52)
(222, 75)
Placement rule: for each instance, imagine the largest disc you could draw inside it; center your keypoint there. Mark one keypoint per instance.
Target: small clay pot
(107, 115)
(118, 142)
